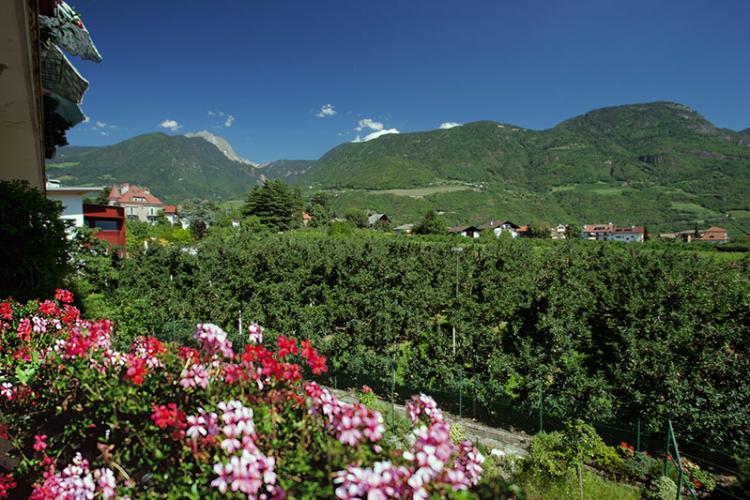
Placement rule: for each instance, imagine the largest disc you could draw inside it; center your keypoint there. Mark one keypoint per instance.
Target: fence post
(638, 434)
(393, 394)
(541, 411)
(666, 456)
(460, 396)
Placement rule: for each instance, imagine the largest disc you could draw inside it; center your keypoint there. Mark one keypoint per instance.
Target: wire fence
(460, 399)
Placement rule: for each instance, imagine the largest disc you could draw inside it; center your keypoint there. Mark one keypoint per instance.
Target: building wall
(72, 206)
(21, 122)
(143, 213)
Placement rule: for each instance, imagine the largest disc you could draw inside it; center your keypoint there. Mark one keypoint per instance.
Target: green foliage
(553, 455)
(33, 245)
(743, 471)
(602, 330)
(175, 168)
(356, 216)
(340, 228)
(319, 207)
(274, 204)
(458, 433)
(549, 456)
(431, 223)
(594, 488)
(642, 466)
(662, 489)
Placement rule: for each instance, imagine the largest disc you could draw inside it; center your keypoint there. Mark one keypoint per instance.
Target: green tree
(431, 223)
(103, 197)
(320, 210)
(203, 210)
(273, 203)
(538, 231)
(298, 206)
(33, 243)
(356, 216)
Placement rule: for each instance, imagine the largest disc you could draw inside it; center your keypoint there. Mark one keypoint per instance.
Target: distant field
(600, 189)
(425, 191)
(62, 164)
(693, 208)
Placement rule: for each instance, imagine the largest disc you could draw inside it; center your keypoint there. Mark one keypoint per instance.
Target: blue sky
(408, 65)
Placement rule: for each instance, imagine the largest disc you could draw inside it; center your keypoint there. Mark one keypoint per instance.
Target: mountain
(660, 164)
(222, 144)
(289, 171)
(175, 168)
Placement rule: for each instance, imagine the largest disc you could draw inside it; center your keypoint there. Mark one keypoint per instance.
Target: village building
(404, 229)
(71, 199)
(500, 227)
(171, 214)
(110, 222)
(306, 218)
(559, 232)
(466, 231)
(138, 202)
(375, 219)
(714, 234)
(610, 232)
(686, 236)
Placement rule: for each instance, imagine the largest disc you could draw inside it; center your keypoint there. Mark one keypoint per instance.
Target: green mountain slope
(660, 164)
(289, 171)
(174, 167)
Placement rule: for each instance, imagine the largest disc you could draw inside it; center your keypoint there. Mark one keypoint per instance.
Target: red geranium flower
(64, 296)
(286, 346)
(39, 444)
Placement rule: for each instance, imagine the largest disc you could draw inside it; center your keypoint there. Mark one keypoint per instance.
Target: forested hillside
(175, 168)
(662, 165)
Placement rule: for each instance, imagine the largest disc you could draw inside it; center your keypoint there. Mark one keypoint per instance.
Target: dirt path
(508, 442)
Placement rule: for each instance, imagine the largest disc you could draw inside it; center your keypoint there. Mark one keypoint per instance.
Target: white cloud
(211, 113)
(326, 110)
(100, 125)
(229, 121)
(376, 134)
(447, 125)
(170, 125)
(368, 123)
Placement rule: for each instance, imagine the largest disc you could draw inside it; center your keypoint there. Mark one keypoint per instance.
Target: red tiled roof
(116, 195)
(170, 209)
(714, 233)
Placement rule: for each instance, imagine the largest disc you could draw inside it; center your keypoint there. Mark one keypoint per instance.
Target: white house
(71, 199)
(466, 231)
(499, 227)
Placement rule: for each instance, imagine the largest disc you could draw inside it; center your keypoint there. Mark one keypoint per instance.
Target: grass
(63, 164)
(423, 191)
(693, 209)
(594, 488)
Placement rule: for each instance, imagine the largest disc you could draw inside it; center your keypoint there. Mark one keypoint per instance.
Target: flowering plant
(89, 421)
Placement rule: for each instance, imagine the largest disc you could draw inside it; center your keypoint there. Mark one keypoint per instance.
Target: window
(107, 225)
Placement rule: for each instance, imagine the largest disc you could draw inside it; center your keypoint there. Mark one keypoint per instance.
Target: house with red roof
(610, 232)
(714, 234)
(138, 202)
(170, 212)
